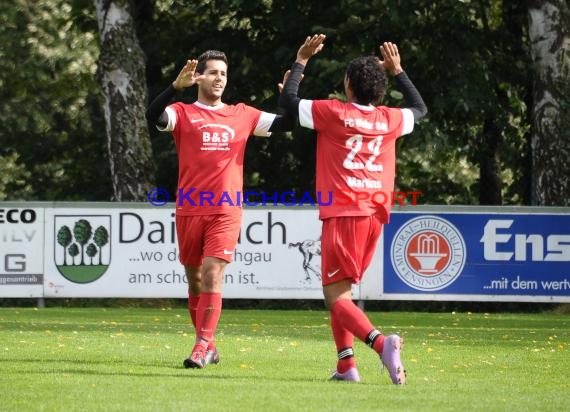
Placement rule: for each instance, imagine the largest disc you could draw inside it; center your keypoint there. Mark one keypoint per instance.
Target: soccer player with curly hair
(356, 154)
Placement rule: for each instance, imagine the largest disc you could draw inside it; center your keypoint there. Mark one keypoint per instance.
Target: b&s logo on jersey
(216, 136)
(428, 253)
(82, 251)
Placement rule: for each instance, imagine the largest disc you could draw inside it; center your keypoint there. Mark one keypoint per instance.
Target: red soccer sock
(344, 341)
(352, 318)
(377, 341)
(207, 316)
(193, 301)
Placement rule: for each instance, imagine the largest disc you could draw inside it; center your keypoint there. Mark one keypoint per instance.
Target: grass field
(94, 359)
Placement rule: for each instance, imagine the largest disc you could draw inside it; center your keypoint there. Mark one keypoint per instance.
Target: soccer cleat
(391, 359)
(197, 360)
(350, 375)
(212, 357)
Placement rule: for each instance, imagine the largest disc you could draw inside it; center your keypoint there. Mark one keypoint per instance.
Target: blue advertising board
(480, 256)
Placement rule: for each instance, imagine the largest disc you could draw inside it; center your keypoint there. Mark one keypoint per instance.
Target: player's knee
(329, 303)
(212, 274)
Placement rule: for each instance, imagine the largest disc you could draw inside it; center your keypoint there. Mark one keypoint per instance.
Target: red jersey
(356, 155)
(210, 142)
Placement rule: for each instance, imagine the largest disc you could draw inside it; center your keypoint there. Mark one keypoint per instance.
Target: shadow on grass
(171, 371)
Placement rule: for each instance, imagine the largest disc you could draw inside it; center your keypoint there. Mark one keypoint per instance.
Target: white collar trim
(208, 107)
(362, 107)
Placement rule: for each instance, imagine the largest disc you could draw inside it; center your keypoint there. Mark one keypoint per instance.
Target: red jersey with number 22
(356, 155)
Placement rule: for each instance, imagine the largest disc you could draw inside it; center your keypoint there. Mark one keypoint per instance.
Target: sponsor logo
(331, 274)
(228, 252)
(216, 136)
(428, 253)
(82, 251)
(17, 215)
(498, 244)
(197, 120)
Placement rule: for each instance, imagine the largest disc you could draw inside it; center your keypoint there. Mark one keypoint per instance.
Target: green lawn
(62, 359)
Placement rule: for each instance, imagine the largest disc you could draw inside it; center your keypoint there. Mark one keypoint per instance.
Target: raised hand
(285, 77)
(391, 58)
(311, 46)
(187, 76)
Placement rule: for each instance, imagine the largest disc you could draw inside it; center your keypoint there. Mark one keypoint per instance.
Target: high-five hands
(285, 77)
(312, 45)
(391, 56)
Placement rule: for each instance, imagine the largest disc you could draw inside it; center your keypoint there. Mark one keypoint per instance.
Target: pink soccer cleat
(391, 359)
(350, 375)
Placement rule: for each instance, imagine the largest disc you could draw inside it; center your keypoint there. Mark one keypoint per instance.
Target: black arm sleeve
(289, 99)
(412, 97)
(155, 112)
(283, 123)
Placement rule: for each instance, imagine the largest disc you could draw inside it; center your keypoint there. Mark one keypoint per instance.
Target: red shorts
(347, 247)
(207, 235)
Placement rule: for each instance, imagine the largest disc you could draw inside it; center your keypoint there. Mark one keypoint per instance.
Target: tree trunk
(490, 183)
(549, 25)
(121, 74)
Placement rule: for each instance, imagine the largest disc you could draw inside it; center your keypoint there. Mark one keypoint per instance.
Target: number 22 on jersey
(354, 143)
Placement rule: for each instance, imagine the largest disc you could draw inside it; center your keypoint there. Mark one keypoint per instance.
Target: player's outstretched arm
(155, 113)
(187, 77)
(289, 98)
(286, 122)
(392, 63)
(312, 45)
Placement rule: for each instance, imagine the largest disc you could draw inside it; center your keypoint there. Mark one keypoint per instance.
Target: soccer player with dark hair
(210, 138)
(356, 143)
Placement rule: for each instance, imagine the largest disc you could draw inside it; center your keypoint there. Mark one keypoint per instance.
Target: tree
(48, 104)
(91, 251)
(73, 251)
(82, 232)
(549, 31)
(101, 238)
(121, 75)
(64, 238)
(473, 147)
(14, 178)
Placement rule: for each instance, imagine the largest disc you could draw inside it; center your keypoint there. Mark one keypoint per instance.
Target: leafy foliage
(14, 178)
(466, 58)
(48, 103)
(469, 59)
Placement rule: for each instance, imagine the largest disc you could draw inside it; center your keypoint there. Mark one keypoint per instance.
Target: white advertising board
(21, 252)
(133, 252)
(114, 250)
